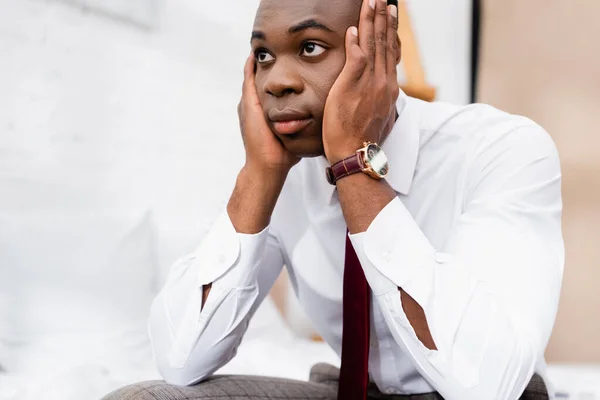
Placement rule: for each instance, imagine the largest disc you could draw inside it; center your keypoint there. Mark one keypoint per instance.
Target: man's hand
(361, 103)
(267, 163)
(264, 151)
(361, 108)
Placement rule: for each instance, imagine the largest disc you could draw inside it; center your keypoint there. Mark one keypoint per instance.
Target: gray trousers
(323, 385)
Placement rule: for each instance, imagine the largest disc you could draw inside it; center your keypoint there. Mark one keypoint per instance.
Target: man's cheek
(325, 84)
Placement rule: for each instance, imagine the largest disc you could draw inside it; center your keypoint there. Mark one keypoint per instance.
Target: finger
(392, 42)
(365, 29)
(249, 89)
(356, 60)
(380, 29)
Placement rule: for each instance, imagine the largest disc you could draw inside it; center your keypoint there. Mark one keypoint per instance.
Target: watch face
(377, 160)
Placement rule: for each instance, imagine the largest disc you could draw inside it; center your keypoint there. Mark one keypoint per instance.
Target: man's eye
(313, 50)
(263, 57)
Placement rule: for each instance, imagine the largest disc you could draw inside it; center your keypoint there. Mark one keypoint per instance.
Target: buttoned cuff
(227, 260)
(224, 248)
(398, 249)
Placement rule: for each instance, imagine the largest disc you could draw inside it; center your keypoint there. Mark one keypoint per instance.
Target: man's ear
(399, 53)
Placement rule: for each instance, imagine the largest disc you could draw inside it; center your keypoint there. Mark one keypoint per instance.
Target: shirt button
(441, 257)
(222, 259)
(374, 343)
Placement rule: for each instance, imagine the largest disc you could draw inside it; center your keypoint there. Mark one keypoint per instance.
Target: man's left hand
(361, 104)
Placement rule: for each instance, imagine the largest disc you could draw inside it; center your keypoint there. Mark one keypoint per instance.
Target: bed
(87, 367)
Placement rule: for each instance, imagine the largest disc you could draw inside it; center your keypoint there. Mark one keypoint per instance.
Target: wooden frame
(416, 85)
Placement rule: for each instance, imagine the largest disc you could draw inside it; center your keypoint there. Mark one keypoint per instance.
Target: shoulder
(480, 126)
(490, 150)
(481, 131)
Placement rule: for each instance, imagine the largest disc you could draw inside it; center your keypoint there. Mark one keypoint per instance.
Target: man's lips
(287, 122)
(290, 127)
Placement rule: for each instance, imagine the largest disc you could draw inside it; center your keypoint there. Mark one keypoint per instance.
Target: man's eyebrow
(258, 35)
(308, 24)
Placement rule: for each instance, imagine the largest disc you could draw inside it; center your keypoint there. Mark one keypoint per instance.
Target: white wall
(100, 116)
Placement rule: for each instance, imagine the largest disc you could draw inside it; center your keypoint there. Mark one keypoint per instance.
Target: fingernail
(394, 11)
(372, 4)
(354, 31)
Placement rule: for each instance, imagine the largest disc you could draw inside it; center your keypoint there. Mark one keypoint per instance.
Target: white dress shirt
(474, 236)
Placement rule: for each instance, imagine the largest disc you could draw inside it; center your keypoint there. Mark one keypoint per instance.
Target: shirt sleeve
(191, 342)
(490, 293)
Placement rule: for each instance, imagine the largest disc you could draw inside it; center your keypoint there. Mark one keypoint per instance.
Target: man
(458, 235)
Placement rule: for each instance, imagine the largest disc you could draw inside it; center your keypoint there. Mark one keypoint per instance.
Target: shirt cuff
(222, 249)
(400, 252)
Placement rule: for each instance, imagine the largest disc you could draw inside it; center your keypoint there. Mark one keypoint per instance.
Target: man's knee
(324, 373)
(151, 390)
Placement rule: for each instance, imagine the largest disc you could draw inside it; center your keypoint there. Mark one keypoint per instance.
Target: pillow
(72, 274)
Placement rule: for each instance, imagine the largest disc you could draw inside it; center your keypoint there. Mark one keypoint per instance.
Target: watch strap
(345, 167)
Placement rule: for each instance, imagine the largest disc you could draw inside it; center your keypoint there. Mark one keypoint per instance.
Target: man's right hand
(267, 163)
(264, 151)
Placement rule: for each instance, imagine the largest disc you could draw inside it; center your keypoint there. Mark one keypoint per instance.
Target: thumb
(352, 37)
(356, 59)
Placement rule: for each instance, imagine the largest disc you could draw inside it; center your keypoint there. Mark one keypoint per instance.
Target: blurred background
(119, 145)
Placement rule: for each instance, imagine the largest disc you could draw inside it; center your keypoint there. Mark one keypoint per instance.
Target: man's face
(300, 52)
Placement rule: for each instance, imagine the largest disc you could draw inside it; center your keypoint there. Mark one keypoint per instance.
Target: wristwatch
(370, 159)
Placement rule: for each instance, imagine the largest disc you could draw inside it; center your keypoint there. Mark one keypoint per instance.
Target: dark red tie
(354, 373)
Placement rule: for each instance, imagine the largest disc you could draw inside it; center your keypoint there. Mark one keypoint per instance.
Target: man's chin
(305, 151)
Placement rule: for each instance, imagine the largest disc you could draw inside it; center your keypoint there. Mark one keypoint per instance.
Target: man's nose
(283, 79)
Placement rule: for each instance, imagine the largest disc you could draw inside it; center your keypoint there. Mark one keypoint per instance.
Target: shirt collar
(401, 148)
